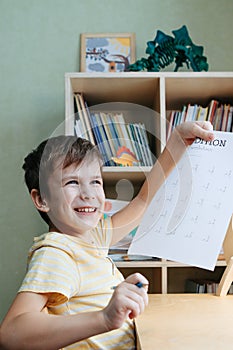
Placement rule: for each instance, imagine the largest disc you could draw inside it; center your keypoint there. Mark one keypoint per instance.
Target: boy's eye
(72, 182)
(97, 182)
(76, 182)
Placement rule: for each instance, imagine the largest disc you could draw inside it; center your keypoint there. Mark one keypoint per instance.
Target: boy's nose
(86, 193)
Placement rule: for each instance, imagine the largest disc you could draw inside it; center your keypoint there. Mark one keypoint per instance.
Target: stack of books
(109, 131)
(219, 114)
(203, 286)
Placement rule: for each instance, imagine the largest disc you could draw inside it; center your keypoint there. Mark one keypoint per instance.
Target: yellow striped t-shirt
(78, 277)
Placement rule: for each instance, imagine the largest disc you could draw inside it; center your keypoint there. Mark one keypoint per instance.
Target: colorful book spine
(220, 115)
(110, 132)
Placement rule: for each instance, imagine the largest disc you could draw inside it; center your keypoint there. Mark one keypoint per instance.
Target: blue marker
(138, 284)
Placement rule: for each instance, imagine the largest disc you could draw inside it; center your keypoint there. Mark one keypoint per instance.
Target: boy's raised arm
(129, 217)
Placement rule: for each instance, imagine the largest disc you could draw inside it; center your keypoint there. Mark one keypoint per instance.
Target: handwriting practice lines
(188, 217)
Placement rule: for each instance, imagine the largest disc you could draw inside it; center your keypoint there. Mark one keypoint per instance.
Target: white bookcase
(157, 94)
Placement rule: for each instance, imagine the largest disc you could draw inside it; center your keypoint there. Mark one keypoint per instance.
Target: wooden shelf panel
(128, 264)
(177, 264)
(134, 173)
(160, 263)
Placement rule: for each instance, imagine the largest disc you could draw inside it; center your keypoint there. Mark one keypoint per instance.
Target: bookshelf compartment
(112, 90)
(177, 277)
(124, 177)
(152, 274)
(198, 88)
(117, 87)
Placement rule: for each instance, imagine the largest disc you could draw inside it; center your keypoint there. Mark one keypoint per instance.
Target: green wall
(39, 42)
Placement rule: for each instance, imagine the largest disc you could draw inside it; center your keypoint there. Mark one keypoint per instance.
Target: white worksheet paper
(188, 217)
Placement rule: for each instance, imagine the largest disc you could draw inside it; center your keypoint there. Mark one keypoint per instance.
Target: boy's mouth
(85, 210)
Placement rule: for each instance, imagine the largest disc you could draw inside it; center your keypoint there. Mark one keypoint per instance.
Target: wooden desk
(186, 322)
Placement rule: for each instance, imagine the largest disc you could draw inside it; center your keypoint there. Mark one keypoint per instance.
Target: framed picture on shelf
(107, 52)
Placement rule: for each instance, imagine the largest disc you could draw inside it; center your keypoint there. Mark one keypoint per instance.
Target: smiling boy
(69, 271)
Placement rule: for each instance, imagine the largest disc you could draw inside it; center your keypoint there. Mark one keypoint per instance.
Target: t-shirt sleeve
(52, 271)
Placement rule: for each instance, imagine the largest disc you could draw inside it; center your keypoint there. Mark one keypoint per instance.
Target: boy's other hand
(128, 300)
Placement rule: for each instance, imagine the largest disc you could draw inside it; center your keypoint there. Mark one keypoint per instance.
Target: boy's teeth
(86, 210)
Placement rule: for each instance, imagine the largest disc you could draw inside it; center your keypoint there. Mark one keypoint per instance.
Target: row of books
(219, 114)
(203, 286)
(109, 131)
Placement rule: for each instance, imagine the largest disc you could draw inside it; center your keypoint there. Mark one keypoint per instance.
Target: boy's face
(76, 197)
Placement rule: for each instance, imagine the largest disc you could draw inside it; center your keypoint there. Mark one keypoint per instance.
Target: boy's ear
(39, 203)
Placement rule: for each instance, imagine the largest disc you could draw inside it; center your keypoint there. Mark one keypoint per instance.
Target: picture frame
(107, 52)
